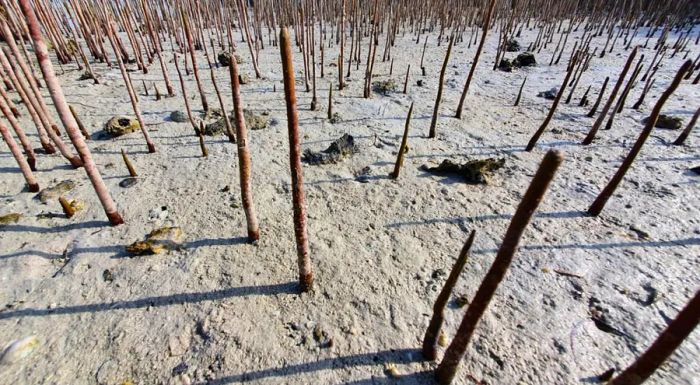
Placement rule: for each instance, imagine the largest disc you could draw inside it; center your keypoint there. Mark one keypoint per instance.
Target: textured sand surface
(220, 311)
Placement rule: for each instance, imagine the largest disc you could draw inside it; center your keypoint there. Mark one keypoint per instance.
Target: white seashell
(19, 349)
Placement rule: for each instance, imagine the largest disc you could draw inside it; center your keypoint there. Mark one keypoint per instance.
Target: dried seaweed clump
(666, 122)
(54, 192)
(8, 219)
(224, 58)
(385, 87)
(336, 152)
(512, 45)
(505, 65)
(86, 76)
(121, 125)
(253, 121)
(158, 241)
(474, 171)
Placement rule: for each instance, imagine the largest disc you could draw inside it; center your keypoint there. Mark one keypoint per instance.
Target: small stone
(419, 83)
(442, 340)
(86, 76)
(121, 125)
(462, 300)
(128, 182)
(9, 218)
(224, 58)
(179, 117)
(243, 78)
(392, 371)
(335, 118)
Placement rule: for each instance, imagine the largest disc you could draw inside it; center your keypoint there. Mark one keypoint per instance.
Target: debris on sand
(8, 219)
(121, 125)
(336, 152)
(158, 241)
(526, 59)
(243, 78)
(385, 87)
(54, 192)
(666, 122)
(550, 94)
(19, 349)
(474, 171)
(86, 76)
(335, 118)
(512, 45)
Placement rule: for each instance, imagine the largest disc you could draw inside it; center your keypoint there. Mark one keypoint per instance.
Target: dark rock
(526, 59)
(128, 182)
(695, 170)
(505, 65)
(473, 172)
(666, 122)
(107, 276)
(336, 152)
(419, 83)
(86, 76)
(243, 78)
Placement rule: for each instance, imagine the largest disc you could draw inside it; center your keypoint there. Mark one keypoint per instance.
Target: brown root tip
(33, 187)
(253, 236)
(76, 162)
(115, 219)
(151, 148)
(15, 112)
(32, 163)
(49, 149)
(306, 282)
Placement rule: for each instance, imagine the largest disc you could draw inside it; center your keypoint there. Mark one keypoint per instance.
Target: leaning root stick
(609, 189)
(403, 147)
(431, 334)
(69, 122)
(447, 369)
(669, 340)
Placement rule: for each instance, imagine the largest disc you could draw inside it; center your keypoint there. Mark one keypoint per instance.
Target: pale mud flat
(221, 311)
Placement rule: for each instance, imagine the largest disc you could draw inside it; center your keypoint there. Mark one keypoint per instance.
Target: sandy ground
(221, 311)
